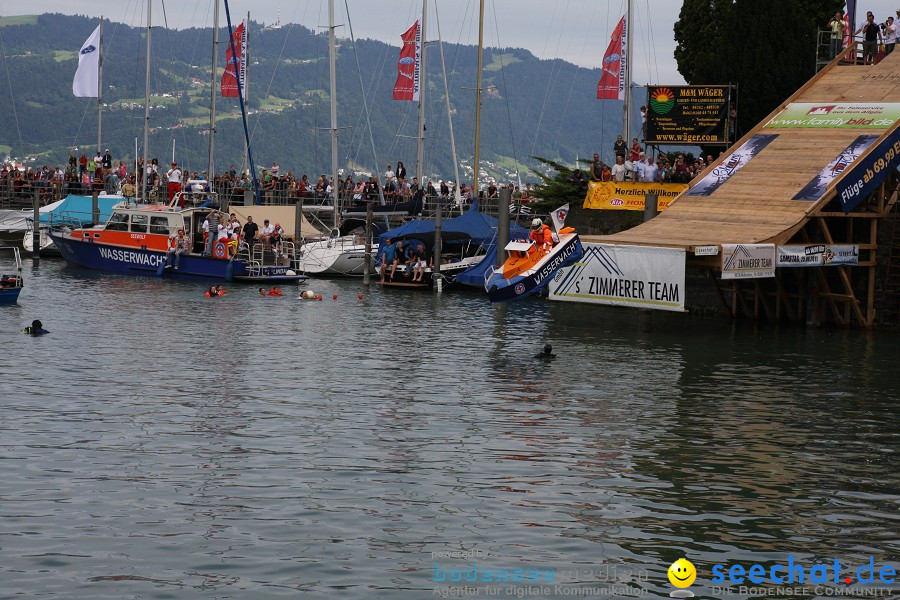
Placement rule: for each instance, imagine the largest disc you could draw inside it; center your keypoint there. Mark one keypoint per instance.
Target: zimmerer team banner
(635, 276)
(696, 114)
(629, 195)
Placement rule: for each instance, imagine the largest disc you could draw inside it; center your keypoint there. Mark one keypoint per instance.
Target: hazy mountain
(531, 107)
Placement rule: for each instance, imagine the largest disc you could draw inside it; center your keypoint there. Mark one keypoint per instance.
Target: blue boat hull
(522, 286)
(9, 296)
(152, 263)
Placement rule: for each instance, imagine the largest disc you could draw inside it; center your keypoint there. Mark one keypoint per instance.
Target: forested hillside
(532, 107)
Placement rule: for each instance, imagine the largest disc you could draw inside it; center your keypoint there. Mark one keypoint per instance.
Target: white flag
(88, 74)
(559, 217)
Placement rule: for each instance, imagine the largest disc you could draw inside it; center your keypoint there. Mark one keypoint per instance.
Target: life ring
(220, 250)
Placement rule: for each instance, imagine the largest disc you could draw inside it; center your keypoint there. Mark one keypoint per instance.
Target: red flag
(612, 81)
(229, 82)
(407, 86)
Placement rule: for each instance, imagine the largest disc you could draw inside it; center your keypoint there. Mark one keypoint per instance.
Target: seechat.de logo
(88, 50)
(407, 60)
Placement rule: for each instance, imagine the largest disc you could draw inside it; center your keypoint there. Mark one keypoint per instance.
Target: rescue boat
(136, 240)
(529, 268)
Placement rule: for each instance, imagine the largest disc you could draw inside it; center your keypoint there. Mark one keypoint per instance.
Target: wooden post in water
(36, 229)
(651, 202)
(95, 208)
(436, 273)
(503, 224)
(367, 269)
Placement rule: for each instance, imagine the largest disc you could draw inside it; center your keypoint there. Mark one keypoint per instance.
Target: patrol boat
(529, 268)
(136, 239)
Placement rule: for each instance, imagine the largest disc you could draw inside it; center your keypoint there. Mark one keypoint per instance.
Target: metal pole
(651, 201)
(478, 98)
(420, 147)
(503, 224)
(147, 107)
(447, 94)
(332, 91)
(436, 273)
(36, 228)
(368, 265)
(95, 208)
(245, 62)
(627, 103)
(212, 96)
(100, 88)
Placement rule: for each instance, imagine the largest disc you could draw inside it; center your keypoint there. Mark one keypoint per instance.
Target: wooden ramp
(755, 204)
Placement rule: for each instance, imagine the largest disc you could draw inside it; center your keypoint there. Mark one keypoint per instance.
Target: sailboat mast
(246, 64)
(420, 146)
(627, 103)
(100, 88)
(447, 95)
(143, 175)
(478, 97)
(332, 77)
(211, 173)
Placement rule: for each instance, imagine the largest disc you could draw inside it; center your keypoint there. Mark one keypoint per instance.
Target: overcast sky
(575, 30)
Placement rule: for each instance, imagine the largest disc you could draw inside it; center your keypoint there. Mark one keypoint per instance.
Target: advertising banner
(731, 165)
(612, 80)
(847, 115)
(748, 261)
(688, 114)
(229, 85)
(629, 195)
(636, 276)
(868, 172)
(815, 189)
(817, 255)
(407, 85)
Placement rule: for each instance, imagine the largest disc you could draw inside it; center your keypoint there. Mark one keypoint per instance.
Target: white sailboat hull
(341, 256)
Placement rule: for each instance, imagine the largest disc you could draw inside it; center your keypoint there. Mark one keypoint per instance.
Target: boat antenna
(237, 77)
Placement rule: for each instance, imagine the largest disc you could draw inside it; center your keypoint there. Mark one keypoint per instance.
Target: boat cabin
(147, 227)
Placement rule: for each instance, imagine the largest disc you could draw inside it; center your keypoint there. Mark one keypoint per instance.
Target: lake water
(159, 444)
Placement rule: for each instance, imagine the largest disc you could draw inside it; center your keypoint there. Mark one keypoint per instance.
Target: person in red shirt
(635, 150)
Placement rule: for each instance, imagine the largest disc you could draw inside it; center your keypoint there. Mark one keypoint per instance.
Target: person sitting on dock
(266, 236)
(541, 235)
(388, 257)
(419, 262)
(178, 245)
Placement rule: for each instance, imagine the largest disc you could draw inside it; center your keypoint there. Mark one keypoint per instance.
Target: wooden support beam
(783, 298)
(715, 280)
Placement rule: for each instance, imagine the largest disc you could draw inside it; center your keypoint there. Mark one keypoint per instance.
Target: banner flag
(408, 67)
(559, 217)
(629, 195)
(612, 81)
(731, 165)
(229, 81)
(815, 189)
(87, 77)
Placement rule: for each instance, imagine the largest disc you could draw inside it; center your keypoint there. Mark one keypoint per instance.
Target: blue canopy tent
(472, 228)
(76, 211)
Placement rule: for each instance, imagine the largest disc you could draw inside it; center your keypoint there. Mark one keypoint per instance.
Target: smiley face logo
(682, 573)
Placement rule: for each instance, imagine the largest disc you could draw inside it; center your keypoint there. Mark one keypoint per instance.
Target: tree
(766, 47)
(558, 189)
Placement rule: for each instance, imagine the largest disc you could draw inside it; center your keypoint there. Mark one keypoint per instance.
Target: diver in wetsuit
(36, 328)
(546, 353)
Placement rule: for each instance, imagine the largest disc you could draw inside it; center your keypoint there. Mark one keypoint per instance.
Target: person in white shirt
(174, 176)
(267, 232)
(388, 175)
(890, 35)
(618, 169)
(274, 170)
(649, 172)
(639, 167)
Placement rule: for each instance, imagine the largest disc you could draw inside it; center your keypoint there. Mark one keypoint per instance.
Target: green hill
(531, 106)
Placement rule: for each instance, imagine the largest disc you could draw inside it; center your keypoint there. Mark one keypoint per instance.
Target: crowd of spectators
(634, 163)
